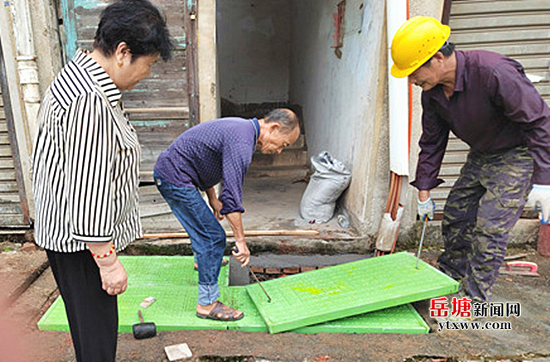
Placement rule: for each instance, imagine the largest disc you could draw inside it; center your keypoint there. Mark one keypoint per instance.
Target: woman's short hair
(139, 24)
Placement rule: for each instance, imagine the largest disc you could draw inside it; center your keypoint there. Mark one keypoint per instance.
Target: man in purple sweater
(211, 152)
(486, 100)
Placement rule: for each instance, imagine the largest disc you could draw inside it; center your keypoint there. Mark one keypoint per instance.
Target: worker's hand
(113, 275)
(539, 198)
(216, 206)
(241, 253)
(426, 209)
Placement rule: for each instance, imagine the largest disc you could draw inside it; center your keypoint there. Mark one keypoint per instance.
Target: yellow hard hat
(416, 41)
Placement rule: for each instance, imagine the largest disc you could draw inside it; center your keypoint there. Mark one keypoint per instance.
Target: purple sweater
(494, 108)
(210, 152)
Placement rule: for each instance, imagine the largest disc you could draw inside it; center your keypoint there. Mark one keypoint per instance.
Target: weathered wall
(345, 100)
(208, 61)
(46, 39)
(254, 49)
(342, 98)
(28, 58)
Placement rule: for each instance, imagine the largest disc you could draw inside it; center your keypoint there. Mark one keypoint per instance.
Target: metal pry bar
(421, 242)
(260, 284)
(255, 278)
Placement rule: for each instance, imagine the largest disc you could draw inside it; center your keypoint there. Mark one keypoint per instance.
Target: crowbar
(255, 278)
(421, 241)
(260, 284)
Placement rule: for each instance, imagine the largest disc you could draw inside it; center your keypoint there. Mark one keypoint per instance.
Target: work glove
(426, 209)
(540, 199)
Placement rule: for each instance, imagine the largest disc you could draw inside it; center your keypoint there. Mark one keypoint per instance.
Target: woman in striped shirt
(86, 167)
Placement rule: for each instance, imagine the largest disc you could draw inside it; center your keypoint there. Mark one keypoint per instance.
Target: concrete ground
(526, 339)
(27, 289)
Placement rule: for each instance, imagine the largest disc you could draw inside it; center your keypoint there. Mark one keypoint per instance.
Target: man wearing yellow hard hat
(486, 100)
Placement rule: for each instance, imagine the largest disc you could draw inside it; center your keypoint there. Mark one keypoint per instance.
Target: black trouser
(92, 313)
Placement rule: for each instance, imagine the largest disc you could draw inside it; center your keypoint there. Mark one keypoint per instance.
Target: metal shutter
(519, 29)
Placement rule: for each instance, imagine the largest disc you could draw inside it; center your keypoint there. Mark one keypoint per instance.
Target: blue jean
(206, 234)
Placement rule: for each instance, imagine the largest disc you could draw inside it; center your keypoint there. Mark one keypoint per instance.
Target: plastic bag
(330, 179)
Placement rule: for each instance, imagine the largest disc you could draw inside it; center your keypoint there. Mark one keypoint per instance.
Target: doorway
(257, 56)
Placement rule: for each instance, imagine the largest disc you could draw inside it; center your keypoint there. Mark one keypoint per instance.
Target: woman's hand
(114, 279)
(113, 275)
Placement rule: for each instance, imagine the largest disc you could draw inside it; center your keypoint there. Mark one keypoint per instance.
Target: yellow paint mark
(309, 290)
(317, 291)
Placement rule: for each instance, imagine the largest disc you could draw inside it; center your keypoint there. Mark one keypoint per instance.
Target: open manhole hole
(273, 266)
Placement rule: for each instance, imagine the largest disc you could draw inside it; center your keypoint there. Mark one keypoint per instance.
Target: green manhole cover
(348, 289)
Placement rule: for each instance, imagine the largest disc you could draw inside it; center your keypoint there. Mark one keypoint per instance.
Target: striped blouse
(85, 163)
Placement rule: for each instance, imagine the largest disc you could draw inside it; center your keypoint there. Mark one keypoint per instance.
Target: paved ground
(526, 341)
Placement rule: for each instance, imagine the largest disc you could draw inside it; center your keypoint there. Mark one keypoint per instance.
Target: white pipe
(396, 15)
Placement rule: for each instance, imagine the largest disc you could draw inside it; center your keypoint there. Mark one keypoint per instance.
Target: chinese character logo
(438, 307)
(462, 307)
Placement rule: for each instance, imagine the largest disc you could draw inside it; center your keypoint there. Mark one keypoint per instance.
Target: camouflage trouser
(483, 206)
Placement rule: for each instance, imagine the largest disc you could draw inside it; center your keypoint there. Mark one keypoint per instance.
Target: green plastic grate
(400, 319)
(176, 270)
(173, 310)
(176, 311)
(55, 318)
(176, 294)
(346, 290)
(170, 279)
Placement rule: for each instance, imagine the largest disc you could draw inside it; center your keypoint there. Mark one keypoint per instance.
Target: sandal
(224, 263)
(221, 312)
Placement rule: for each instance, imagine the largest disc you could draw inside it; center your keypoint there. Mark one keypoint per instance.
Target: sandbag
(330, 178)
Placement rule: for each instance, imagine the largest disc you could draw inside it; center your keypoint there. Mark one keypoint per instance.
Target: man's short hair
(139, 24)
(284, 117)
(447, 49)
